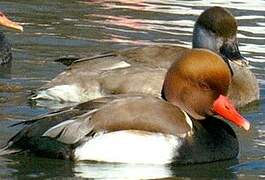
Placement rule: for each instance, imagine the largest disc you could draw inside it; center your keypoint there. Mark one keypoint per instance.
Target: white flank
(118, 65)
(130, 146)
(68, 93)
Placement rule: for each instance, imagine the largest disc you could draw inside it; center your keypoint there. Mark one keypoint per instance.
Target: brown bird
(129, 128)
(142, 70)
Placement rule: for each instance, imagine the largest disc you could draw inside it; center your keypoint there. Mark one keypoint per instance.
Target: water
(56, 28)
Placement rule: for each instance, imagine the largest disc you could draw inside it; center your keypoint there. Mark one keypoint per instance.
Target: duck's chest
(212, 140)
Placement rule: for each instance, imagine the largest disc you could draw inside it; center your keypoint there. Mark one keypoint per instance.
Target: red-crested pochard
(133, 128)
(142, 69)
(5, 47)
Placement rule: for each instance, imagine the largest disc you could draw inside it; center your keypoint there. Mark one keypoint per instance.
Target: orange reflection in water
(122, 21)
(127, 4)
(126, 23)
(122, 1)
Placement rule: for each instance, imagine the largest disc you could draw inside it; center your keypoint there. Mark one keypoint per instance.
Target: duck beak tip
(246, 125)
(21, 28)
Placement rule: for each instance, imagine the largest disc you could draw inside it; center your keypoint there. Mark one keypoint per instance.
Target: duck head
(4, 21)
(198, 83)
(216, 29)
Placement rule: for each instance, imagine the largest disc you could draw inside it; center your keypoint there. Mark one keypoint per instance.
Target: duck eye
(204, 86)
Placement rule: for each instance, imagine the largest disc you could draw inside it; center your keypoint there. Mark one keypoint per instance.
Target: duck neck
(203, 38)
(183, 107)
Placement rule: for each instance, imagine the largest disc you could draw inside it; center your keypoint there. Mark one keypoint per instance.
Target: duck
(5, 47)
(188, 126)
(142, 69)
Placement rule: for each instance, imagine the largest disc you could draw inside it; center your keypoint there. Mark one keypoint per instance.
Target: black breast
(213, 140)
(5, 50)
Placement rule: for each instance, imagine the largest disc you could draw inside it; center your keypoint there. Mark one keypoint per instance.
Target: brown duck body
(142, 69)
(142, 128)
(137, 115)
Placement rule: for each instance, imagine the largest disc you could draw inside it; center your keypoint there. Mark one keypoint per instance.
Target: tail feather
(67, 60)
(7, 149)
(70, 59)
(61, 93)
(103, 55)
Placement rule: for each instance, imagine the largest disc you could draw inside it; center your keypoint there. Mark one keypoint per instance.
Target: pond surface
(56, 28)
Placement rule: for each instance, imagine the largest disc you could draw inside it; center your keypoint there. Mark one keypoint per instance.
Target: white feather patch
(118, 65)
(68, 93)
(188, 120)
(130, 146)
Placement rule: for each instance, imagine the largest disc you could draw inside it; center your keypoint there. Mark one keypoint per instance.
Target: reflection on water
(144, 171)
(254, 168)
(87, 27)
(121, 171)
(33, 167)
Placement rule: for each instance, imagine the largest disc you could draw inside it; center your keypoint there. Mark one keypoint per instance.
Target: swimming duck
(5, 47)
(142, 69)
(141, 128)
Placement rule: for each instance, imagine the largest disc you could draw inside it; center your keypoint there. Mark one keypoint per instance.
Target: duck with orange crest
(187, 126)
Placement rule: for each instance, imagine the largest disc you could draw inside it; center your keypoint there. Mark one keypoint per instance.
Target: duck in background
(5, 47)
(131, 128)
(142, 69)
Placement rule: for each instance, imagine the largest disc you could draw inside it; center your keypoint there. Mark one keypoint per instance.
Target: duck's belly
(130, 146)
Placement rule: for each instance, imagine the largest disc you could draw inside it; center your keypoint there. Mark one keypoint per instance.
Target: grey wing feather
(57, 124)
(71, 131)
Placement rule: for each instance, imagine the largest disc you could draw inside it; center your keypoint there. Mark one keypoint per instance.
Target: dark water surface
(55, 28)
